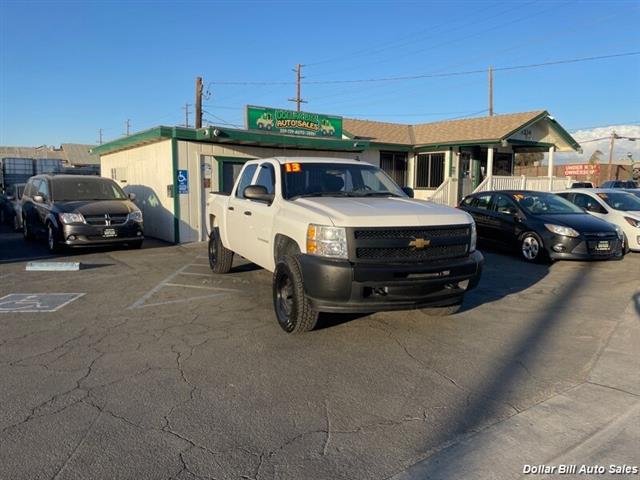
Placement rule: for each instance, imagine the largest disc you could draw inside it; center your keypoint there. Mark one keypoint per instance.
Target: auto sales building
(172, 169)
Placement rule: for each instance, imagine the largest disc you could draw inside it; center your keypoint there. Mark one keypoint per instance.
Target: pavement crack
(78, 446)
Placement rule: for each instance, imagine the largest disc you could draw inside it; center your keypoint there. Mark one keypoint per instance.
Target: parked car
(613, 205)
(634, 191)
(582, 185)
(620, 184)
(542, 226)
(341, 236)
(78, 211)
(10, 209)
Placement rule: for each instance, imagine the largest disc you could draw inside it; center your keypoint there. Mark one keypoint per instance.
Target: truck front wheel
(293, 309)
(220, 257)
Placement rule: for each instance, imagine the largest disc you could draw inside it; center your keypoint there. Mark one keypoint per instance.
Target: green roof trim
(229, 135)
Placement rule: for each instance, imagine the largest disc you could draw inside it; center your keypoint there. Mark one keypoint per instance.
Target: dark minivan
(542, 226)
(78, 210)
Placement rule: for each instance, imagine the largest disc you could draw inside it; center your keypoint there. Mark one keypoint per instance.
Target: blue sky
(70, 68)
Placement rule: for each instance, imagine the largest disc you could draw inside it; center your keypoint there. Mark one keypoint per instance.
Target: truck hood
(383, 212)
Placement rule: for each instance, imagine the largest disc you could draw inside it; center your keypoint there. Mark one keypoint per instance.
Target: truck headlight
(136, 216)
(474, 238)
(68, 218)
(327, 241)
(561, 230)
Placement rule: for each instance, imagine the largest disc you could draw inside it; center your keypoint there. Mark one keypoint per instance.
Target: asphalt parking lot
(157, 368)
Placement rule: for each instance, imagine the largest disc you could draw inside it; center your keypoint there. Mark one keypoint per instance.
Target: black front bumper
(582, 248)
(345, 287)
(83, 235)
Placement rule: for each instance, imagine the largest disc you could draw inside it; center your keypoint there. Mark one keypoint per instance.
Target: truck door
(261, 217)
(238, 215)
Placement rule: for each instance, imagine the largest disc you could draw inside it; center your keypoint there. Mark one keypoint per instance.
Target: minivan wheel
(26, 232)
(532, 248)
(53, 245)
(220, 257)
(293, 309)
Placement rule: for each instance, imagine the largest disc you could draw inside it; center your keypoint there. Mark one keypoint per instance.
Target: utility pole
(491, 91)
(198, 120)
(127, 126)
(186, 115)
(298, 100)
(100, 136)
(611, 143)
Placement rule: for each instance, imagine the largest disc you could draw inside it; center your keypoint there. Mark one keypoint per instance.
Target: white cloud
(622, 147)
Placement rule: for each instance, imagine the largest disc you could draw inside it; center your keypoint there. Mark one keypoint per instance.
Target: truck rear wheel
(293, 309)
(220, 257)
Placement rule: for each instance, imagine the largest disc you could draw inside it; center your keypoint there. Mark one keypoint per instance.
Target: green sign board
(290, 122)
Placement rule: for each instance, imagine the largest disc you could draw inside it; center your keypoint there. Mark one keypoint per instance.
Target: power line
(433, 75)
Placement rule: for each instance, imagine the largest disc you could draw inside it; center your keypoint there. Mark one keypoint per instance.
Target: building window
(395, 165)
(429, 170)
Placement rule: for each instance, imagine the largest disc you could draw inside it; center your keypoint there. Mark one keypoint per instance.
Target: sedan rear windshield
(621, 201)
(83, 189)
(336, 180)
(545, 204)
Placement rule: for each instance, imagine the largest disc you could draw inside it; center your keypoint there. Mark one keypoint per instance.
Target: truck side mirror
(132, 196)
(258, 193)
(408, 191)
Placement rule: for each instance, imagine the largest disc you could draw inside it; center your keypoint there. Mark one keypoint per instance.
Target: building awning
(221, 135)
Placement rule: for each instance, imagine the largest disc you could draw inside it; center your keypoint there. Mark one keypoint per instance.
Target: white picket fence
(539, 184)
(447, 192)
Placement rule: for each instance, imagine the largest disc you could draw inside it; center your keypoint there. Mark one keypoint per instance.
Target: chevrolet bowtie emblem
(419, 243)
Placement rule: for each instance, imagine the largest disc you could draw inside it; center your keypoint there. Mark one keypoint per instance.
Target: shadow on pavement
(14, 248)
(492, 397)
(503, 275)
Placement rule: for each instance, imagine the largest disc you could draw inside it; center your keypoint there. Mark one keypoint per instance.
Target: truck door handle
(231, 208)
(247, 212)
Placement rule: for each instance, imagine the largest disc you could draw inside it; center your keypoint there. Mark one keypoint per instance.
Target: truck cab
(341, 236)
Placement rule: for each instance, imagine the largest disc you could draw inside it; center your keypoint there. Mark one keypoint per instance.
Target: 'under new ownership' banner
(290, 122)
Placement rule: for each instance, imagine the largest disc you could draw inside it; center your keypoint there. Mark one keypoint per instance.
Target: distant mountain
(588, 140)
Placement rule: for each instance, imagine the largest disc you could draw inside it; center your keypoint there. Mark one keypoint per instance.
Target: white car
(613, 205)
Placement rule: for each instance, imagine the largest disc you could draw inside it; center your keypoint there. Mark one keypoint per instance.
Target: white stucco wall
(146, 171)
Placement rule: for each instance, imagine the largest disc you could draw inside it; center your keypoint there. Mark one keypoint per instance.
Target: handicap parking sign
(183, 181)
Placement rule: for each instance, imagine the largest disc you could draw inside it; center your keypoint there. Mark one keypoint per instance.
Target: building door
(207, 162)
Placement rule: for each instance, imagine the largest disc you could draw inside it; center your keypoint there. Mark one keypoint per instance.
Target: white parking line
(168, 282)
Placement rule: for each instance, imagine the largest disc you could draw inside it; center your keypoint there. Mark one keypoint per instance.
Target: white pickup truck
(340, 236)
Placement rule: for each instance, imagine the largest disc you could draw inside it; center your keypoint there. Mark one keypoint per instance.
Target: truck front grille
(430, 253)
(410, 244)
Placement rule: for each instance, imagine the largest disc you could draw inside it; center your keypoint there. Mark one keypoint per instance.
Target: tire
(135, 245)
(52, 244)
(532, 248)
(625, 245)
(220, 257)
(292, 307)
(26, 231)
(442, 311)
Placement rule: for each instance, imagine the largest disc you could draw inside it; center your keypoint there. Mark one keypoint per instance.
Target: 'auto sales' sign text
(576, 169)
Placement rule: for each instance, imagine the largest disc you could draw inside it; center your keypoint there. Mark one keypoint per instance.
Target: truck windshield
(336, 180)
(74, 189)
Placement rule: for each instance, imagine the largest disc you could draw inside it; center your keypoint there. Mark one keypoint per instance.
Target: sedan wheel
(531, 247)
